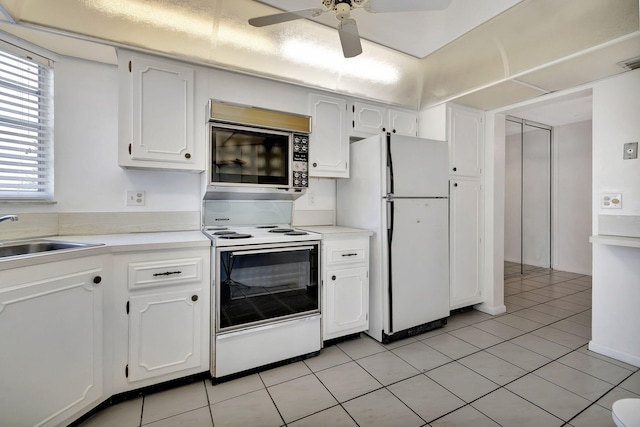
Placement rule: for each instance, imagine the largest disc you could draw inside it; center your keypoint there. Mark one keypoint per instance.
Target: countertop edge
(111, 244)
(332, 230)
(629, 242)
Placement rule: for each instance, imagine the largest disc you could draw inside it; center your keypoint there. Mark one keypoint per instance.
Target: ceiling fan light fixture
(343, 11)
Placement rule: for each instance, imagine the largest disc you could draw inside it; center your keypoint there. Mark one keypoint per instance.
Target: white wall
(616, 270)
(572, 197)
(87, 175)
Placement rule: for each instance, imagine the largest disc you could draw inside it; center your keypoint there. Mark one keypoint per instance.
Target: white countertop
(109, 243)
(630, 242)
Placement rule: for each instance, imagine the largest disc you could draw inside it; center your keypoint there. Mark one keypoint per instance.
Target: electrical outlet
(611, 201)
(135, 198)
(630, 150)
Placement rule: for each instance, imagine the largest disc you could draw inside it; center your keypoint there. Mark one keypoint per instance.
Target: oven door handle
(268, 251)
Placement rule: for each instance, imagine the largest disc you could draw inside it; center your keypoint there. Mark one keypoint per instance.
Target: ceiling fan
(347, 28)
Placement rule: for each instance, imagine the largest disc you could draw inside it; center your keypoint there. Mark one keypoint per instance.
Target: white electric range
(266, 285)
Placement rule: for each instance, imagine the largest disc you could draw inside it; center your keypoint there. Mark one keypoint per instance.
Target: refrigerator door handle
(390, 220)
(389, 166)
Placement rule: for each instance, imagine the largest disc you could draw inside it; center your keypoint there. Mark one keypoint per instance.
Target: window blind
(26, 128)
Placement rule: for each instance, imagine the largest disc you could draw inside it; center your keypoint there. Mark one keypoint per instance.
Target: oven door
(259, 284)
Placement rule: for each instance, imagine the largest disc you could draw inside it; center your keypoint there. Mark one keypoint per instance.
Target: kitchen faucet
(11, 217)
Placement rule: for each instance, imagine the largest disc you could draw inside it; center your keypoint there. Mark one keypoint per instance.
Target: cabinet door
(346, 304)
(466, 233)
(51, 334)
(466, 140)
(328, 142)
(164, 333)
(161, 122)
(403, 122)
(369, 119)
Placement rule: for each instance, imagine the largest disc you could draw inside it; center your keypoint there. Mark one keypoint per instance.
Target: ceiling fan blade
(349, 38)
(277, 18)
(384, 6)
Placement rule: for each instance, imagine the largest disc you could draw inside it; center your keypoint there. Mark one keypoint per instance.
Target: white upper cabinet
(156, 117)
(328, 142)
(370, 119)
(403, 122)
(466, 141)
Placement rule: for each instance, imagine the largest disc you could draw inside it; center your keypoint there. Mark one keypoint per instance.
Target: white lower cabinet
(345, 281)
(465, 205)
(164, 333)
(51, 330)
(167, 300)
(347, 301)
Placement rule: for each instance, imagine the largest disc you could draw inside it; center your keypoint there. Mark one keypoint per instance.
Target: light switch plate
(630, 150)
(611, 201)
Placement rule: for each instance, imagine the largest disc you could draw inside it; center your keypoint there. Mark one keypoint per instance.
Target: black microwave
(250, 147)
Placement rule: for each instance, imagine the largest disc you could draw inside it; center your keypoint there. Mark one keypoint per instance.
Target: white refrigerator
(398, 188)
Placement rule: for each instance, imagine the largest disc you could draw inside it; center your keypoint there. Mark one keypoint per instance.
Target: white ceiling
(414, 33)
(485, 54)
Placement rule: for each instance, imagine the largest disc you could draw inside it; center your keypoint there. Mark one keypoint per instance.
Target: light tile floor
(527, 367)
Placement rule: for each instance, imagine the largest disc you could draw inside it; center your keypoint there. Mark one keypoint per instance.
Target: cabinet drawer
(164, 272)
(346, 254)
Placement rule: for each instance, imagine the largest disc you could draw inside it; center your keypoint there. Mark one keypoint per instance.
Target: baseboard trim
(615, 354)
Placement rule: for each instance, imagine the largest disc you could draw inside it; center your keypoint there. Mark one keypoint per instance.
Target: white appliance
(257, 151)
(266, 285)
(398, 188)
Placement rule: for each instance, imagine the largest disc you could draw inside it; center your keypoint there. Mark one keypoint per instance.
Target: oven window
(249, 157)
(257, 286)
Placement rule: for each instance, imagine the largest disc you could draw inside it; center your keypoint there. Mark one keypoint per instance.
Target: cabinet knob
(455, 169)
(187, 155)
(97, 280)
(315, 165)
(194, 298)
(455, 184)
(333, 277)
(384, 129)
(394, 131)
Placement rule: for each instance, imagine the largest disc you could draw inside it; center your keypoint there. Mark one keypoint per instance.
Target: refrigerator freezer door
(420, 167)
(419, 267)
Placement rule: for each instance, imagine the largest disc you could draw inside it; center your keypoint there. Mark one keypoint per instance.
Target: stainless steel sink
(32, 247)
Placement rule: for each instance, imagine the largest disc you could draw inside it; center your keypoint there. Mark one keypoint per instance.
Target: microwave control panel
(300, 163)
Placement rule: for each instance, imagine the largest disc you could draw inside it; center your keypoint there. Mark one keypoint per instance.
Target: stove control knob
(304, 183)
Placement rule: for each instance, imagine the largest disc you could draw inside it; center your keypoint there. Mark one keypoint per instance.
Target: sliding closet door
(527, 196)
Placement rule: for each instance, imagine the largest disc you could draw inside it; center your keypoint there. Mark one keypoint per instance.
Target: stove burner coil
(281, 230)
(235, 236)
(267, 226)
(222, 233)
(295, 233)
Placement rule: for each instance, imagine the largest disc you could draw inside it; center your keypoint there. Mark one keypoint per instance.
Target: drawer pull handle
(351, 254)
(167, 273)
